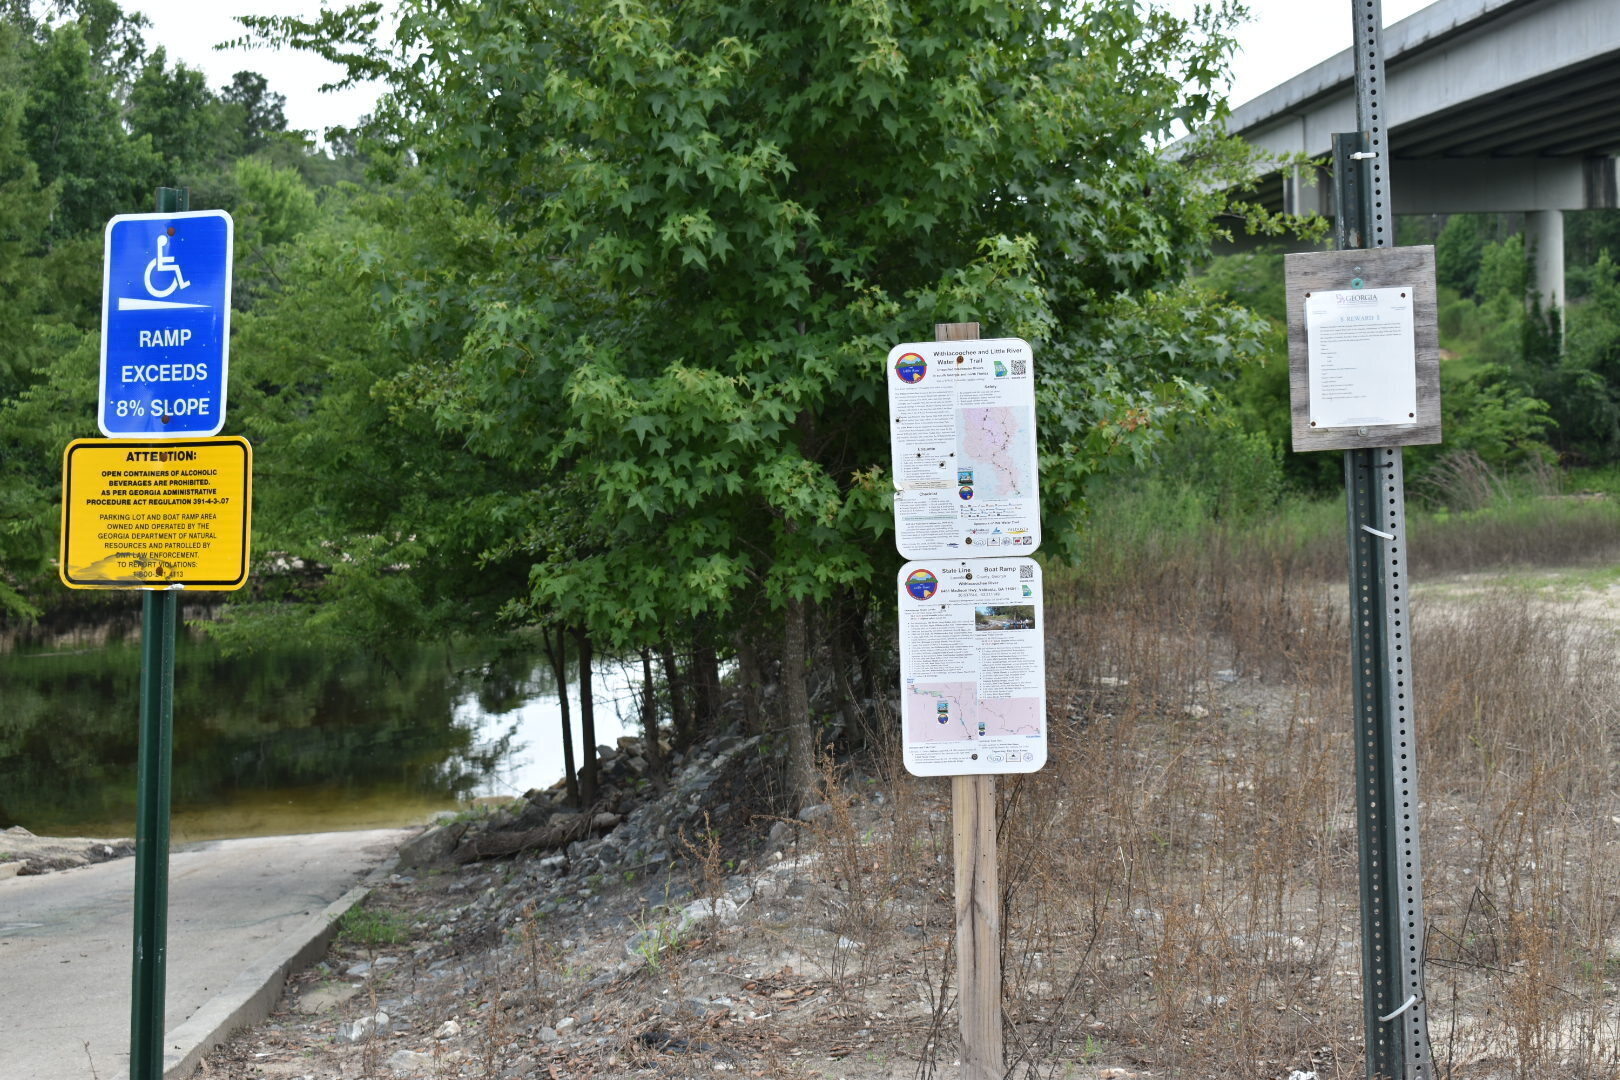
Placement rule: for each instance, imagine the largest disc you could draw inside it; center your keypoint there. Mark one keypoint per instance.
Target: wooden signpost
(972, 621)
(978, 892)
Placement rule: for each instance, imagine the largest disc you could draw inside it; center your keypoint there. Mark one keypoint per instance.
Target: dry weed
(1180, 883)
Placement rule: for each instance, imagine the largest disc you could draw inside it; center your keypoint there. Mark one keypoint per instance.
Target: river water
(284, 740)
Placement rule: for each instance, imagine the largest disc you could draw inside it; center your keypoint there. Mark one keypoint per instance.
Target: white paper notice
(962, 435)
(972, 666)
(1362, 357)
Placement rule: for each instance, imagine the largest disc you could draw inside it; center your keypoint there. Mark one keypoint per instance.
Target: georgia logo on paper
(911, 368)
(922, 584)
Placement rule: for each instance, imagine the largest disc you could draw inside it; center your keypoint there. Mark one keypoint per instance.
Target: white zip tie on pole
(1411, 1001)
(1375, 532)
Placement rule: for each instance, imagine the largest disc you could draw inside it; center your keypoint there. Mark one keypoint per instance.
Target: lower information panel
(972, 666)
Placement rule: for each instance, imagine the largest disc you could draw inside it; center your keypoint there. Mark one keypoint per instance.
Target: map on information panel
(972, 666)
(943, 712)
(994, 448)
(962, 433)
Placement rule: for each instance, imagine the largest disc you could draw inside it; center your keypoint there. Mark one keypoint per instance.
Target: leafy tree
(711, 222)
(1457, 253)
(174, 108)
(1587, 405)
(25, 210)
(1503, 267)
(75, 136)
(89, 125)
(274, 203)
(258, 114)
(1587, 235)
(116, 43)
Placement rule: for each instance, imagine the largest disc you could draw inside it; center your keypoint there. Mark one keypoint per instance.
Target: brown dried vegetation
(1179, 884)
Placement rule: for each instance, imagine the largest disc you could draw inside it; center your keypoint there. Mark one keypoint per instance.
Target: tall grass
(1181, 881)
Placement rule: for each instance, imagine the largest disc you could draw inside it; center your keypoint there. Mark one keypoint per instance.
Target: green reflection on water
(285, 740)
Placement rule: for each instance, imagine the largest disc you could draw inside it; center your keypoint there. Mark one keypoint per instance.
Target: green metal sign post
(152, 807)
(1396, 1020)
(152, 836)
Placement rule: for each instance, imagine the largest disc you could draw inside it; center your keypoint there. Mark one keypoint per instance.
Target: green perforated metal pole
(152, 807)
(1392, 921)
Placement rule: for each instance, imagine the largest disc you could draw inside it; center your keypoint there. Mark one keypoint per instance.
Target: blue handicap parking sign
(165, 324)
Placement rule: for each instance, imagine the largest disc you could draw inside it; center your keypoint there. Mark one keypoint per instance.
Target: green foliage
(1457, 253)
(1487, 412)
(1241, 472)
(90, 124)
(273, 205)
(369, 928)
(1253, 279)
(1504, 268)
(1588, 377)
(25, 207)
(702, 226)
(1587, 235)
(176, 112)
(254, 111)
(75, 135)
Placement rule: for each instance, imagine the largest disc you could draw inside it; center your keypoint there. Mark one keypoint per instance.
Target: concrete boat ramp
(242, 914)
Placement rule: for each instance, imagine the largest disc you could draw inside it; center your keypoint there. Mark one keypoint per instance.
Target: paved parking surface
(65, 940)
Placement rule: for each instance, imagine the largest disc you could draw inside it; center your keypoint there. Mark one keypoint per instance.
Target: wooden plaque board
(1368, 268)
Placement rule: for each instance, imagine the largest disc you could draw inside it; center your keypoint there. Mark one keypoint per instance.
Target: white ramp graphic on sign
(164, 263)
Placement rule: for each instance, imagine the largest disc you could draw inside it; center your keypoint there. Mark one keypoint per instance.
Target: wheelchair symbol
(164, 263)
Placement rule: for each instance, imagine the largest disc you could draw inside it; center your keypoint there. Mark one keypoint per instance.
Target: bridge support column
(1544, 230)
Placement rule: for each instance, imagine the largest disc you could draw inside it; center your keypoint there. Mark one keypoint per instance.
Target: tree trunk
(680, 717)
(587, 720)
(557, 652)
(753, 683)
(801, 756)
(706, 664)
(649, 720)
(848, 708)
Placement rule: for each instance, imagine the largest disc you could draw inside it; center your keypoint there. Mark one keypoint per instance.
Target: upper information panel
(962, 434)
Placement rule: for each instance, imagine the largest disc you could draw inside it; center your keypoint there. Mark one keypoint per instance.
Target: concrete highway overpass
(1492, 105)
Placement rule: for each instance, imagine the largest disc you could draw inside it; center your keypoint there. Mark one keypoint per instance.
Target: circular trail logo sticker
(964, 493)
(922, 584)
(911, 368)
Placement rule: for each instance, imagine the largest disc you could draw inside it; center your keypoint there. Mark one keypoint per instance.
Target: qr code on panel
(1026, 571)
(1020, 367)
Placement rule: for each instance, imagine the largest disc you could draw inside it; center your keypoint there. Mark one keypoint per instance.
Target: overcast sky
(1283, 38)
(189, 30)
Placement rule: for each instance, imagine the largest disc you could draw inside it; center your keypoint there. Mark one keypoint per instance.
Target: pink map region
(993, 444)
(963, 713)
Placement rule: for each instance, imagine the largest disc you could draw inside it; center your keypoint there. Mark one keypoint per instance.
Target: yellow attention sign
(139, 514)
